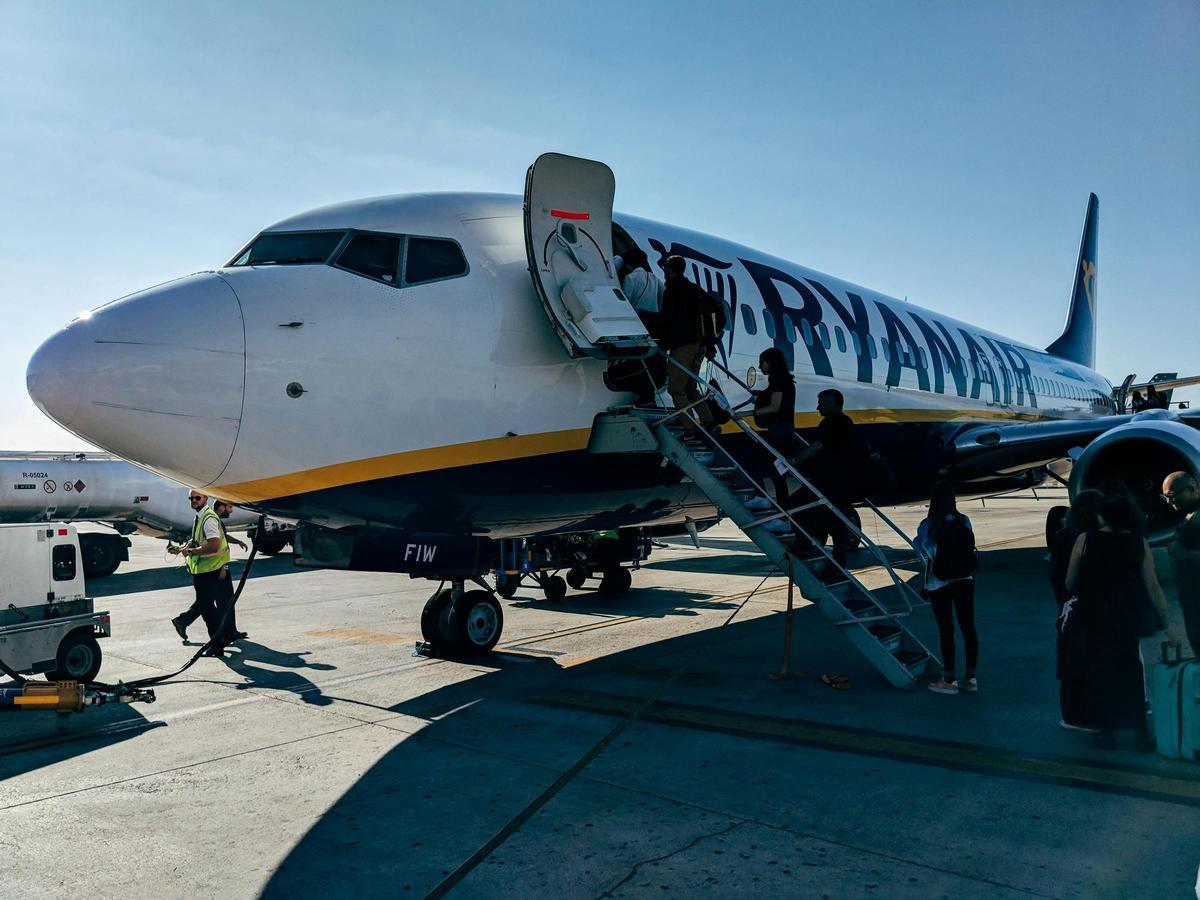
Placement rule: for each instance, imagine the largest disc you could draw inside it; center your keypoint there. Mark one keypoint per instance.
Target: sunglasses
(194, 499)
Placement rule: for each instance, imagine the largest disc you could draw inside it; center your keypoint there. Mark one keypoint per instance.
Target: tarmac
(626, 747)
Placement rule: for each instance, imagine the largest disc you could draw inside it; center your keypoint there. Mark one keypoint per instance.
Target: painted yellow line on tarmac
(921, 751)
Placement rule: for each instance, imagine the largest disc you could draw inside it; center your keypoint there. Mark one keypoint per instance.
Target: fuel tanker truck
(102, 488)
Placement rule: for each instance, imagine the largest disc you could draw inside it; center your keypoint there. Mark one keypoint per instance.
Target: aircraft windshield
(300, 248)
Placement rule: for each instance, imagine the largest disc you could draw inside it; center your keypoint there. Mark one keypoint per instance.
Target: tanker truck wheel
(100, 557)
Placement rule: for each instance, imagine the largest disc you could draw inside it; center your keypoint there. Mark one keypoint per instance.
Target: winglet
(1078, 340)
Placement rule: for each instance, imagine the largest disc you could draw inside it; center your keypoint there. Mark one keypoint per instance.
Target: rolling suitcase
(1175, 704)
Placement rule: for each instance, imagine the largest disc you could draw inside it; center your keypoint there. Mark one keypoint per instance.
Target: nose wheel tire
(477, 621)
(616, 581)
(435, 622)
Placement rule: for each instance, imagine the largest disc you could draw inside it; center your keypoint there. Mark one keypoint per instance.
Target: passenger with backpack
(948, 541)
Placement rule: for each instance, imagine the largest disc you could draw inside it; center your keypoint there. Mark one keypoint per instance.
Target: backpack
(954, 553)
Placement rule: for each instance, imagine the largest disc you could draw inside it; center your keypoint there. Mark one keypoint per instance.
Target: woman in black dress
(1108, 571)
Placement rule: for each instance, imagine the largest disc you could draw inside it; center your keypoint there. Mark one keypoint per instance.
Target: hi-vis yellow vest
(199, 565)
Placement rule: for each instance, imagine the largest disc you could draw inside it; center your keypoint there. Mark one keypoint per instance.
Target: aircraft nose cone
(52, 377)
(156, 377)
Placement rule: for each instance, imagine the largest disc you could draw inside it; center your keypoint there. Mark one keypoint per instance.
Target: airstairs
(873, 620)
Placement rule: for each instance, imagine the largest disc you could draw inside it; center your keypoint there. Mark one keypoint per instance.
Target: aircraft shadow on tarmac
(33, 740)
(164, 578)
(492, 744)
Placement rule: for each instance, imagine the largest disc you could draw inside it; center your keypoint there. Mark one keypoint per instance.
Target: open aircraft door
(568, 239)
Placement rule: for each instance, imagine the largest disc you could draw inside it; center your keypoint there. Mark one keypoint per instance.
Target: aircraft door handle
(291, 324)
(570, 250)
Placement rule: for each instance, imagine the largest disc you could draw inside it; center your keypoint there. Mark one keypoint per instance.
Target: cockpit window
(430, 259)
(295, 249)
(373, 255)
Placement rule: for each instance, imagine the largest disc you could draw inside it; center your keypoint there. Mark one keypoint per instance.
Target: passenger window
(886, 346)
(372, 255)
(856, 343)
(806, 330)
(823, 331)
(748, 322)
(768, 324)
(62, 562)
(789, 330)
(431, 259)
(841, 338)
(924, 358)
(871, 346)
(296, 249)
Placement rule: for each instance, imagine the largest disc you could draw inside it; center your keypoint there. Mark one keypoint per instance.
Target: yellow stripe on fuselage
(503, 449)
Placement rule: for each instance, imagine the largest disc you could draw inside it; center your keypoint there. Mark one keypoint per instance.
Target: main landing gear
(458, 622)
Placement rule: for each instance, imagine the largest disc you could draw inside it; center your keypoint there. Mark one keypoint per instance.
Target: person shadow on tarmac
(257, 676)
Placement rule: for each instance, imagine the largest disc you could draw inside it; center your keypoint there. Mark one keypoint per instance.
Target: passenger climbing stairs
(872, 620)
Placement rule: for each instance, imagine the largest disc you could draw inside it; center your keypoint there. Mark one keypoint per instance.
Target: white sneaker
(942, 686)
(970, 685)
(1082, 729)
(759, 503)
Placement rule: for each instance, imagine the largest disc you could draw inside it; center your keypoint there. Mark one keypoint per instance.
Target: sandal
(837, 682)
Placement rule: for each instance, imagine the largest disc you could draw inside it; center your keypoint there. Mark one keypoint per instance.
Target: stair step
(860, 606)
(887, 635)
(913, 660)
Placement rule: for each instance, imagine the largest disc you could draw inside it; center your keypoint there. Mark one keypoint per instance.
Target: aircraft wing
(1002, 449)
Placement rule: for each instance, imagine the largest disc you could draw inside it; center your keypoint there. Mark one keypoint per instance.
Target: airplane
(415, 378)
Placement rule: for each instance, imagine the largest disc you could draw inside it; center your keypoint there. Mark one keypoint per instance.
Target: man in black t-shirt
(832, 461)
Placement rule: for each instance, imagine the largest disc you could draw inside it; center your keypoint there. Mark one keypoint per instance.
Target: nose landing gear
(458, 622)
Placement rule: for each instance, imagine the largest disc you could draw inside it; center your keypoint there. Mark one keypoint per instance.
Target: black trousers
(956, 601)
(214, 596)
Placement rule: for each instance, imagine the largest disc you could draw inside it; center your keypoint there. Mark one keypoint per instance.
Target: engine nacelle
(1142, 453)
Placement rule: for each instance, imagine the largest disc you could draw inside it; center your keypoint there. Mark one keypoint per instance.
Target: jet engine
(1141, 453)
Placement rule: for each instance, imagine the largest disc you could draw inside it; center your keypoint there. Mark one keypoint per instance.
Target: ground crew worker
(1182, 491)
(689, 337)
(207, 559)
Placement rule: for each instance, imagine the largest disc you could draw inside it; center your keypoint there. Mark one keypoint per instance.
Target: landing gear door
(568, 239)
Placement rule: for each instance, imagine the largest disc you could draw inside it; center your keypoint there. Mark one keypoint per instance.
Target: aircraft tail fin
(1078, 340)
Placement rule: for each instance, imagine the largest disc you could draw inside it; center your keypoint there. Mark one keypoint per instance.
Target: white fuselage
(297, 380)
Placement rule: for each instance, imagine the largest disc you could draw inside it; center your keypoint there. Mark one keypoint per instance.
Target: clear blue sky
(939, 151)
